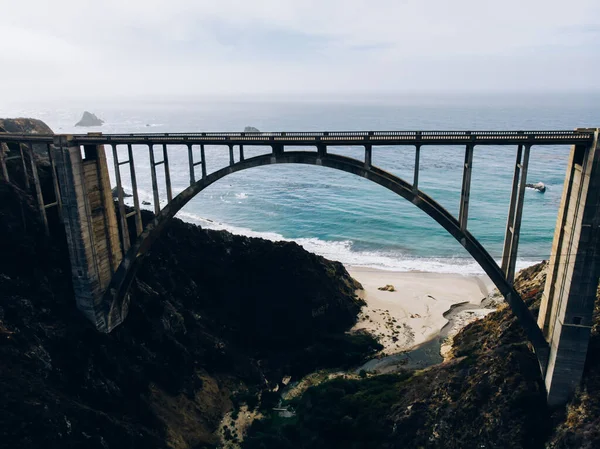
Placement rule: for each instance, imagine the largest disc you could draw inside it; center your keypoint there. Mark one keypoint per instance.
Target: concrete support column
(463, 213)
(568, 301)
(368, 155)
(416, 174)
(91, 227)
(321, 150)
(3, 169)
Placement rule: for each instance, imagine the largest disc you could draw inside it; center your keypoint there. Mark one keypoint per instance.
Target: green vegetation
(341, 413)
(490, 396)
(249, 397)
(342, 351)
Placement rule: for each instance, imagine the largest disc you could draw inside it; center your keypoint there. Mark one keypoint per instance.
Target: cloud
(233, 46)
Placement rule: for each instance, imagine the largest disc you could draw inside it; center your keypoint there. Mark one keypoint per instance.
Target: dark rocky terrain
(215, 320)
(489, 395)
(212, 315)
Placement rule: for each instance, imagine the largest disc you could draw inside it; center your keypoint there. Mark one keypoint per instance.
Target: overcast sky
(111, 48)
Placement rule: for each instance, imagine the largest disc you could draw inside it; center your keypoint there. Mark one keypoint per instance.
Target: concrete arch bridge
(104, 263)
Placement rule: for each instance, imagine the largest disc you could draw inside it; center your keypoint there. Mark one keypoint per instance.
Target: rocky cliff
(489, 395)
(212, 315)
(24, 125)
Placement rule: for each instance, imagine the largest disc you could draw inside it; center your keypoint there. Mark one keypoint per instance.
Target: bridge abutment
(568, 301)
(91, 227)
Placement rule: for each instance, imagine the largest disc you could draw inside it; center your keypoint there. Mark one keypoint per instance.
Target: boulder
(115, 193)
(539, 186)
(89, 119)
(387, 288)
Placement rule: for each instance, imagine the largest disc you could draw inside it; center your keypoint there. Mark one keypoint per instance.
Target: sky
(114, 48)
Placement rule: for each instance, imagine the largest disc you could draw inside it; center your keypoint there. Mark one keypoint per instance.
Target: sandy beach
(414, 312)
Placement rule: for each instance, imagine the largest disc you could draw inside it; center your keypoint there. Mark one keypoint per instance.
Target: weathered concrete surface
(91, 227)
(568, 301)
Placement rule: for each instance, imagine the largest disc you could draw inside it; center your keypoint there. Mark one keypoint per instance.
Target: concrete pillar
(568, 301)
(91, 227)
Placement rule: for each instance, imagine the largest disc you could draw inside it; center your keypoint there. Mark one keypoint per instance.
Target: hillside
(489, 395)
(211, 314)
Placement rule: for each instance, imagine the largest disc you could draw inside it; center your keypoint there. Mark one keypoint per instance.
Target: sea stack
(89, 119)
(539, 186)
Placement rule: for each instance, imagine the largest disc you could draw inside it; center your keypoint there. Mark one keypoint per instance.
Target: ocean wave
(343, 252)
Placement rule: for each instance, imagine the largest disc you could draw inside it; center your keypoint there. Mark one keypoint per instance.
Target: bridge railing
(534, 136)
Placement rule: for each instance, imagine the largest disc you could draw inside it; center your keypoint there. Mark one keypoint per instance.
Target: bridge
(104, 258)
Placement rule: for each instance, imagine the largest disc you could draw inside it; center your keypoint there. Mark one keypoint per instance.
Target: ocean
(339, 215)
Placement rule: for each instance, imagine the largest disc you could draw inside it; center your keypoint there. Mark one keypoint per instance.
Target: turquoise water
(345, 217)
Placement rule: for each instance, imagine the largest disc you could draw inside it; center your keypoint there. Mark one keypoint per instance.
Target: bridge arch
(116, 296)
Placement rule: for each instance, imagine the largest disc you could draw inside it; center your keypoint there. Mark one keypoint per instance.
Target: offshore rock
(539, 186)
(115, 193)
(89, 119)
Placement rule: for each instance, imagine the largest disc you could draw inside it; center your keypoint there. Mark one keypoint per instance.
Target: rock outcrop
(40, 152)
(89, 119)
(490, 394)
(539, 186)
(211, 314)
(24, 126)
(115, 193)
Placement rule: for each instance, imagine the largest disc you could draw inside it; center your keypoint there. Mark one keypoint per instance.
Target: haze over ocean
(342, 216)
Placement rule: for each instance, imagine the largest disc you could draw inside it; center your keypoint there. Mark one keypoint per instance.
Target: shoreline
(443, 265)
(424, 310)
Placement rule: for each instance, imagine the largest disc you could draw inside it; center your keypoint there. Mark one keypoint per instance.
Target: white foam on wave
(343, 252)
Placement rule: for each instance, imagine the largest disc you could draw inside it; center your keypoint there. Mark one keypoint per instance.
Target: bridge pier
(91, 227)
(570, 293)
(515, 213)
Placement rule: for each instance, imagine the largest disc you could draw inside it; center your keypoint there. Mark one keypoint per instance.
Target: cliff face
(211, 314)
(490, 395)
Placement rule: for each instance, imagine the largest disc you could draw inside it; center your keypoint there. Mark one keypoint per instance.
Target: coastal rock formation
(89, 119)
(40, 152)
(115, 193)
(539, 186)
(24, 126)
(387, 288)
(28, 126)
(251, 129)
(489, 394)
(211, 314)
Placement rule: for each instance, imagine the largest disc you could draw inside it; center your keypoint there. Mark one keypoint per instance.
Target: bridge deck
(342, 138)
